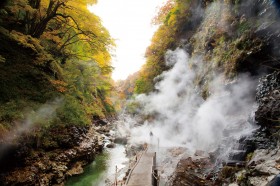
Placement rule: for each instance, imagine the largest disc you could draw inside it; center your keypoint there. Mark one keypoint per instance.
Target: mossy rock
(228, 172)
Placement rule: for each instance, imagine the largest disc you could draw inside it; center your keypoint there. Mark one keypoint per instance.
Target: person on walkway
(151, 138)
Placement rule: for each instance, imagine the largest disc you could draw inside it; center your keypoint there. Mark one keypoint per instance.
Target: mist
(182, 118)
(176, 113)
(44, 114)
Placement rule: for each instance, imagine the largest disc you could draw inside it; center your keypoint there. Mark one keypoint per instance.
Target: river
(102, 171)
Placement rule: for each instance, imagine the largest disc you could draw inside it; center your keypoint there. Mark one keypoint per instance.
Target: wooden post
(116, 176)
(158, 144)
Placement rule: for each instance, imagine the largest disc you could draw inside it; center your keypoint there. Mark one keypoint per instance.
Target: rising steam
(181, 117)
(44, 114)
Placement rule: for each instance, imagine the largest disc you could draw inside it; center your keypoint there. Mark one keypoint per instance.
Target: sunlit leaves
(163, 12)
(74, 51)
(172, 17)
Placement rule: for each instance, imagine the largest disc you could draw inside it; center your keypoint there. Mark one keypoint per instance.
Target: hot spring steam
(179, 116)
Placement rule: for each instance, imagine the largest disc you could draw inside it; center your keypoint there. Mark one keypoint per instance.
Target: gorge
(207, 100)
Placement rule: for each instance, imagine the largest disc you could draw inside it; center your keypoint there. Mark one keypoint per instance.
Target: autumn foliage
(172, 19)
(54, 49)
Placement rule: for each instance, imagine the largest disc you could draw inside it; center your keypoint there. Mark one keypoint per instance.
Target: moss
(243, 27)
(205, 92)
(49, 144)
(228, 172)
(241, 177)
(249, 156)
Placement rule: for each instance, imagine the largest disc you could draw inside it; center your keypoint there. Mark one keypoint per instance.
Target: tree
(64, 23)
(163, 12)
(173, 18)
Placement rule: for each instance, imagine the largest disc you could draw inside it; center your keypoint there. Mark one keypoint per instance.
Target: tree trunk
(35, 3)
(38, 28)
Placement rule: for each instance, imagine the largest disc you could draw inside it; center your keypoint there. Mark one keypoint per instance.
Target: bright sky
(128, 21)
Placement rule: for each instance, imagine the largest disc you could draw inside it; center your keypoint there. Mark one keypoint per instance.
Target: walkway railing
(136, 163)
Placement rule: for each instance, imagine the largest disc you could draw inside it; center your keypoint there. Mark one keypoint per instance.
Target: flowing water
(102, 171)
(180, 120)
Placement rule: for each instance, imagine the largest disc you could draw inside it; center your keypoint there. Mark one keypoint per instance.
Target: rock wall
(53, 167)
(268, 98)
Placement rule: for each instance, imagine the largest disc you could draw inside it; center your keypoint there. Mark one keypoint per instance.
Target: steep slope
(201, 95)
(55, 83)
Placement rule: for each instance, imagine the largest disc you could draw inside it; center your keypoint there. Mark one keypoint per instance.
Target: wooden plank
(142, 173)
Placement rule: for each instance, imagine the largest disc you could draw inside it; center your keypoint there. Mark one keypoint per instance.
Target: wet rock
(238, 155)
(100, 121)
(120, 140)
(275, 181)
(191, 172)
(132, 150)
(200, 153)
(235, 163)
(262, 139)
(76, 169)
(111, 145)
(268, 98)
(103, 130)
(264, 166)
(51, 167)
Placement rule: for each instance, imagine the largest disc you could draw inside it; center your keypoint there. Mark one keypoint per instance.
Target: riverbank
(42, 167)
(102, 171)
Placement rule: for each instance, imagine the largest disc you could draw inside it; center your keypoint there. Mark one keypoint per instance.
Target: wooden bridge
(143, 173)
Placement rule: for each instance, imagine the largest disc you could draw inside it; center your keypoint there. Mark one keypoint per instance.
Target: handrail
(131, 170)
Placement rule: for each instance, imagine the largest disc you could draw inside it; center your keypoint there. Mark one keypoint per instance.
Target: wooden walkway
(142, 174)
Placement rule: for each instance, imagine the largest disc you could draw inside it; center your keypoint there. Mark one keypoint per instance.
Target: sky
(129, 23)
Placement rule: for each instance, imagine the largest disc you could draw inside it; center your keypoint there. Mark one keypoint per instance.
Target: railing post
(154, 172)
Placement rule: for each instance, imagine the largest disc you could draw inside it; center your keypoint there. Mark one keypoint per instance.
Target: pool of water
(102, 171)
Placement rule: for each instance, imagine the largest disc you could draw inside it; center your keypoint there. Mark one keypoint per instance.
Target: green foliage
(243, 26)
(249, 156)
(72, 112)
(91, 85)
(13, 110)
(142, 86)
(133, 107)
(53, 49)
(174, 18)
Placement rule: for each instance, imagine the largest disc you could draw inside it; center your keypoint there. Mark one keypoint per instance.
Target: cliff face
(53, 167)
(30, 153)
(236, 38)
(49, 106)
(225, 39)
(231, 37)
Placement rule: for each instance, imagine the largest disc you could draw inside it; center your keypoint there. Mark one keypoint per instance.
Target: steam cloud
(181, 117)
(178, 115)
(44, 113)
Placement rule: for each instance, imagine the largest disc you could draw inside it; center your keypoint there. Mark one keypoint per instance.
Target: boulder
(75, 169)
(111, 145)
(264, 167)
(190, 172)
(275, 181)
(120, 140)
